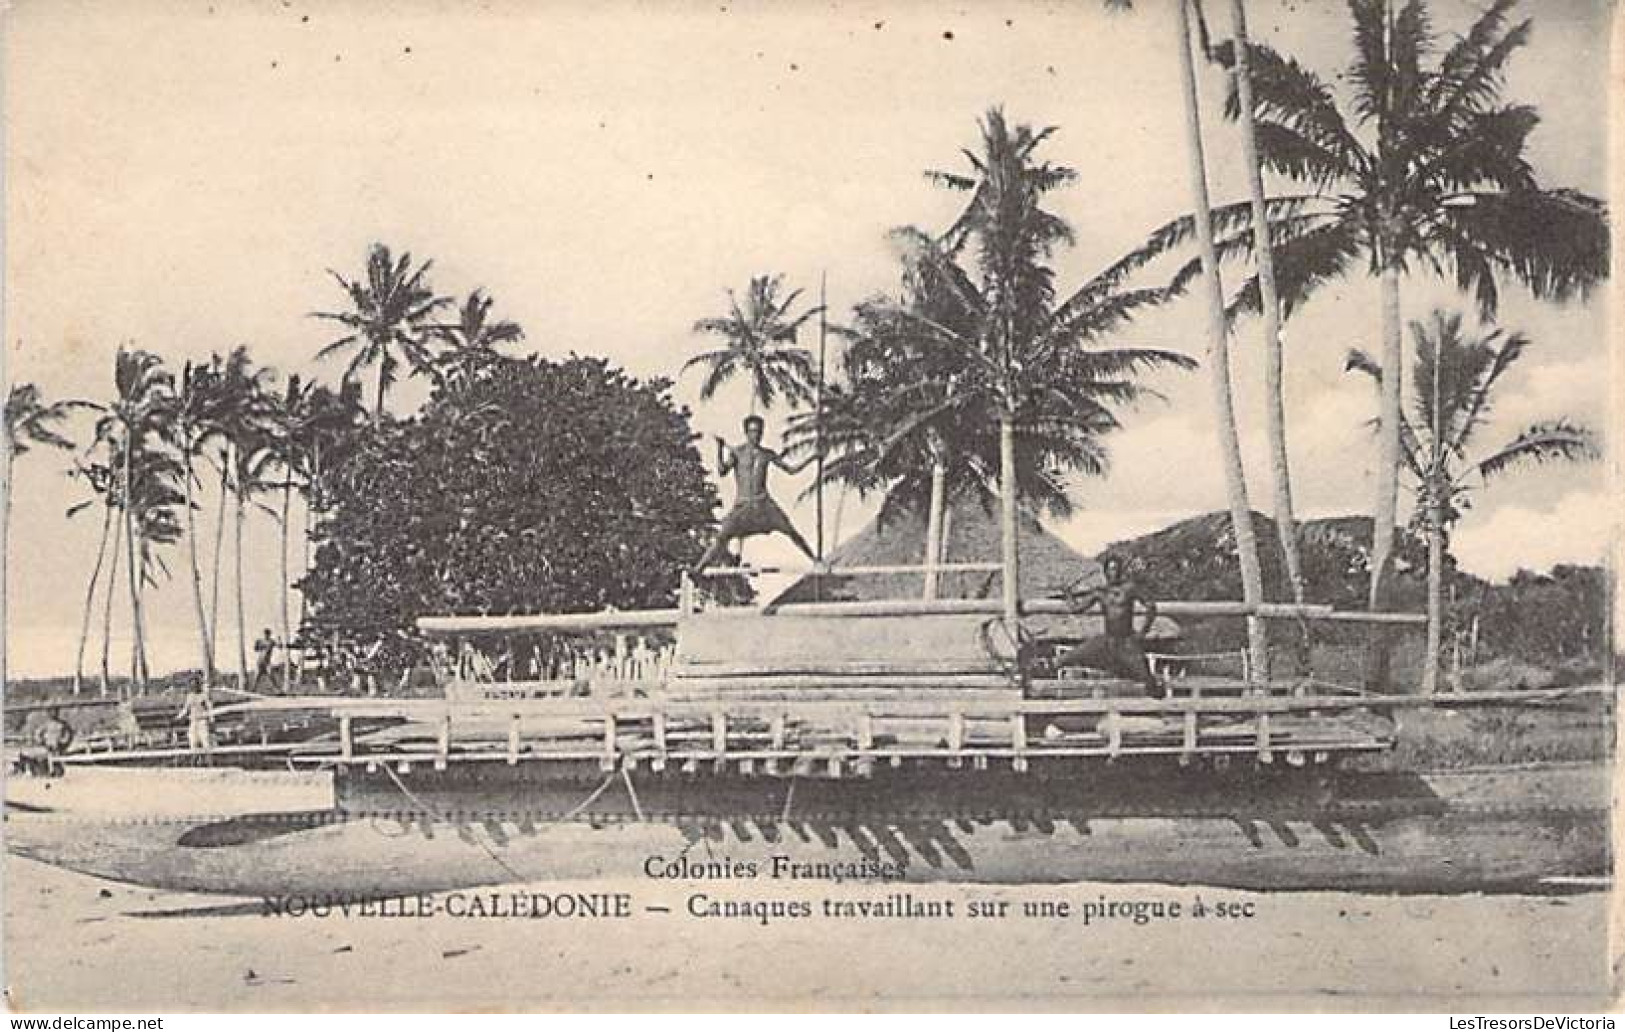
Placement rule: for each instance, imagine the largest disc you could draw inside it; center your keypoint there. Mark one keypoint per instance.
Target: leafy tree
(759, 343)
(387, 321)
(553, 486)
(1453, 386)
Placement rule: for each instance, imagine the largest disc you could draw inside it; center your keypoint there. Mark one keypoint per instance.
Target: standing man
(198, 714)
(754, 512)
(264, 649)
(1118, 651)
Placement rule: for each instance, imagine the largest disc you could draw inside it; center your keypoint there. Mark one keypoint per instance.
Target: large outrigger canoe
(895, 738)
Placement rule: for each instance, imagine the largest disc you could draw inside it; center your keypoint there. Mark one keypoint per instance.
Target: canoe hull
(386, 834)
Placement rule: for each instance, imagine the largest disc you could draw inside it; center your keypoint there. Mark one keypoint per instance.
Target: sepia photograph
(827, 505)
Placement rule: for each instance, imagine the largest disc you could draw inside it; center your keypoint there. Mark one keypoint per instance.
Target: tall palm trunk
(204, 644)
(1435, 634)
(378, 409)
(1011, 553)
(219, 545)
(132, 571)
(933, 523)
(107, 610)
(1235, 478)
(1434, 499)
(90, 598)
(1286, 522)
(1385, 508)
(282, 589)
(237, 573)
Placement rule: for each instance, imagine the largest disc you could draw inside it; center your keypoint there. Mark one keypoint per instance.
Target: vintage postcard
(808, 505)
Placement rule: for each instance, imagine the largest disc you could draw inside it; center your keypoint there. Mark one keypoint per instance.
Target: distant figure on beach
(1118, 651)
(197, 713)
(129, 726)
(264, 650)
(54, 734)
(754, 511)
(49, 739)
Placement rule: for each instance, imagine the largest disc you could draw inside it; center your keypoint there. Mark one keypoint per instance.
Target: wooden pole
(818, 411)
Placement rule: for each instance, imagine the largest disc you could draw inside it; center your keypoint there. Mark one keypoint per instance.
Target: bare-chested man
(1118, 651)
(754, 512)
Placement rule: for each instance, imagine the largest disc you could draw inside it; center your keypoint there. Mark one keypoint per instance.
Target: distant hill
(1196, 559)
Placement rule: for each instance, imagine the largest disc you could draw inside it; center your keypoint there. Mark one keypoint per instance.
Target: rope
(632, 793)
(515, 875)
(789, 797)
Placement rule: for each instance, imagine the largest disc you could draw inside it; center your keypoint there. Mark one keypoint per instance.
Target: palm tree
(760, 344)
(153, 500)
(1286, 522)
(1428, 170)
(194, 426)
(1453, 381)
(387, 321)
(1026, 352)
(30, 421)
(300, 424)
(254, 460)
(240, 390)
(131, 427)
(99, 477)
(471, 342)
(1218, 353)
(920, 416)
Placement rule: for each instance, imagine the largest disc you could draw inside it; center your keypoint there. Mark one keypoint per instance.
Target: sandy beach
(77, 943)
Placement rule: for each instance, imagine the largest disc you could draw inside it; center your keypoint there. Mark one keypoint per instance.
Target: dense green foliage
(539, 486)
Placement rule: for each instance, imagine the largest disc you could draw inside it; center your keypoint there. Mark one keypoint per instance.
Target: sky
(181, 174)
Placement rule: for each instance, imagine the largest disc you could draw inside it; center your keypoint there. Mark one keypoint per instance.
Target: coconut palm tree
(1452, 391)
(1026, 347)
(1218, 353)
(30, 421)
(241, 389)
(254, 467)
(1425, 170)
(1286, 522)
(100, 478)
(471, 343)
(300, 423)
(387, 321)
(131, 428)
(759, 343)
(919, 418)
(194, 426)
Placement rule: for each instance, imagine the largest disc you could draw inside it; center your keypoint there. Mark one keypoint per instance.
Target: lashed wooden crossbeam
(614, 620)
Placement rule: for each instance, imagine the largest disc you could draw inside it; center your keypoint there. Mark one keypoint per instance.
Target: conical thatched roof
(972, 536)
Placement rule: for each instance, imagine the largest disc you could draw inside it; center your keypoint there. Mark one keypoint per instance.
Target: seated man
(754, 511)
(1118, 651)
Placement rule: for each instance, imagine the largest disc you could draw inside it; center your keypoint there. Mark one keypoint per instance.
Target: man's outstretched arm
(725, 458)
(778, 460)
(1085, 602)
(1150, 609)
